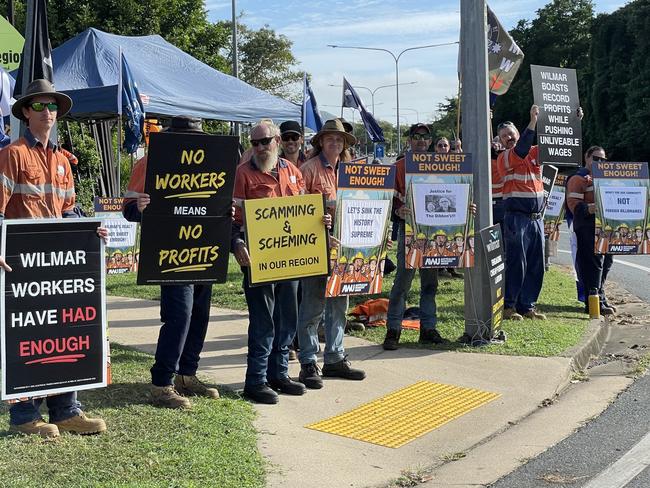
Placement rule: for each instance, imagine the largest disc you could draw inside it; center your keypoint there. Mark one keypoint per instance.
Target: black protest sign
(185, 250)
(53, 315)
(559, 131)
(185, 234)
(493, 251)
(549, 174)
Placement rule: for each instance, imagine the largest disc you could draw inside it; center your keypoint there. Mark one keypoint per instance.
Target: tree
(445, 124)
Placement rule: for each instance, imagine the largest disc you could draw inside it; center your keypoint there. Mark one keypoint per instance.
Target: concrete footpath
(300, 457)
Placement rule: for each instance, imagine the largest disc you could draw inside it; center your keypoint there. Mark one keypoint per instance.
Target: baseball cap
(414, 128)
(290, 126)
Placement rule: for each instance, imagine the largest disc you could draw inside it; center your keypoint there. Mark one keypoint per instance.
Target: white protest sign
(438, 204)
(555, 202)
(624, 202)
(121, 232)
(363, 222)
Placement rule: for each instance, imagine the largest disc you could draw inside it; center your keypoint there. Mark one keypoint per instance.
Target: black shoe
(288, 386)
(261, 394)
(605, 310)
(430, 336)
(342, 369)
(391, 342)
(310, 376)
(455, 274)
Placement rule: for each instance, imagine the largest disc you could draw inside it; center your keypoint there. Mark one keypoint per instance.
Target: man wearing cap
(320, 175)
(184, 309)
(291, 135)
(36, 182)
(418, 141)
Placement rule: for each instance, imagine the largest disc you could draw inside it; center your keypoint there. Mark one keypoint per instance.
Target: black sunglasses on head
(265, 141)
(290, 137)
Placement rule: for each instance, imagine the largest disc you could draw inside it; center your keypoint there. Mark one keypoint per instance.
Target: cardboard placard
(122, 251)
(53, 307)
(493, 250)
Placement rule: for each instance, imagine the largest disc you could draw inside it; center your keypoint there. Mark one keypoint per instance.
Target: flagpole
(458, 107)
(119, 123)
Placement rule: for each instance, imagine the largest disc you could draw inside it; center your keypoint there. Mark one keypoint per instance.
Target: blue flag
(310, 115)
(352, 100)
(133, 109)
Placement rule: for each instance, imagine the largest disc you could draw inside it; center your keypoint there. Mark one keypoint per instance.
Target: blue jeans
(185, 313)
(61, 407)
(402, 285)
(524, 239)
(312, 304)
(269, 339)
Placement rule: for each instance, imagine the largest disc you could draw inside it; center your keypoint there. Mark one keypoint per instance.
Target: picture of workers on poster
(559, 130)
(286, 238)
(440, 228)
(122, 253)
(53, 314)
(363, 208)
(554, 210)
(621, 194)
(186, 227)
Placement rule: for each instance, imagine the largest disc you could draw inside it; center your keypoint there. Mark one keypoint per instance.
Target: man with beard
(291, 135)
(270, 334)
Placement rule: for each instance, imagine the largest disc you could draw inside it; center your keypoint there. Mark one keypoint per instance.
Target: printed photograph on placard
(554, 214)
(361, 224)
(621, 194)
(122, 252)
(440, 228)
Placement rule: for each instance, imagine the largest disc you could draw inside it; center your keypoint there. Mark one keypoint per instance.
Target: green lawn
(563, 330)
(214, 444)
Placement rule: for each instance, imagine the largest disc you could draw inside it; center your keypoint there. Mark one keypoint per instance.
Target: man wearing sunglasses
(291, 136)
(592, 268)
(36, 182)
(419, 140)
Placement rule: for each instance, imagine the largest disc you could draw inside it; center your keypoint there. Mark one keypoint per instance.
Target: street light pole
(235, 65)
(396, 58)
(417, 114)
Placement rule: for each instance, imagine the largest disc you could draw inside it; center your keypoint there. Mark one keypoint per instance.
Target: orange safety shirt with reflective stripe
(251, 183)
(497, 181)
(36, 181)
(523, 188)
(580, 189)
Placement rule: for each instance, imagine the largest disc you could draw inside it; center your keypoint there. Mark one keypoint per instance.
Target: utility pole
(476, 120)
(235, 55)
(11, 12)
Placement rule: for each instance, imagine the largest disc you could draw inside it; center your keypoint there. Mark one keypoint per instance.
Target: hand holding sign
(241, 254)
(4, 265)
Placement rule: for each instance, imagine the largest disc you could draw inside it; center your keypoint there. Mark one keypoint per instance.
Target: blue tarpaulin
(170, 81)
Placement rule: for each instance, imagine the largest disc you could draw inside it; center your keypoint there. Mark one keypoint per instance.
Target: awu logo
(354, 287)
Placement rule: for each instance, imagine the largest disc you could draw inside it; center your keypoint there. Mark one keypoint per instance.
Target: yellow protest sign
(286, 238)
(11, 45)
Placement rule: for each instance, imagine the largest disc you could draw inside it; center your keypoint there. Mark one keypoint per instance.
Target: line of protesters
(37, 183)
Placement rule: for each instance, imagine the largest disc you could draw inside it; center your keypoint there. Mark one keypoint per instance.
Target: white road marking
(618, 261)
(626, 468)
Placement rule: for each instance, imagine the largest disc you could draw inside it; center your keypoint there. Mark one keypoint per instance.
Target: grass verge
(214, 444)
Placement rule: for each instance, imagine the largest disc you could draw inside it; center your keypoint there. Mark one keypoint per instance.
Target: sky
(429, 75)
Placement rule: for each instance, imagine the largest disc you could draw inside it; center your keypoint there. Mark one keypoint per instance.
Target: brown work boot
(36, 427)
(511, 314)
(191, 385)
(168, 397)
(535, 315)
(80, 424)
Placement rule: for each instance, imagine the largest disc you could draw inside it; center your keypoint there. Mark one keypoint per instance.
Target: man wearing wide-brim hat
(320, 176)
(37, 183)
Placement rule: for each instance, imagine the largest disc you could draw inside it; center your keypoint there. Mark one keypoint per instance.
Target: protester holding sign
(270, 334)
(418, 141)
(37, 183)
(321, 176)
(592, 268)
(184, 308)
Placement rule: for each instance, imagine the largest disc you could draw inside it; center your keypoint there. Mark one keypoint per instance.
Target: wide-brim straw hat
(333, 126)
(41, 87)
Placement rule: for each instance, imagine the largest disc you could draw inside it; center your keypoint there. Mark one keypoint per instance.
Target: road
(612, 451)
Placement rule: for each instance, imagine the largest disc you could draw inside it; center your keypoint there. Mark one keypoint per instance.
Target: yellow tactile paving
(406, 414)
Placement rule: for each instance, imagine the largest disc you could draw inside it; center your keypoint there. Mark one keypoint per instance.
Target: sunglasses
(420, 137)
(442, 144)
(265, 141)
(290, 137)
(40, 106)
(598, 159)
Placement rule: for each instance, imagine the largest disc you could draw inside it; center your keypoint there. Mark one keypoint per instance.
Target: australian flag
(310, 115)
(133, 109)
(352, 100)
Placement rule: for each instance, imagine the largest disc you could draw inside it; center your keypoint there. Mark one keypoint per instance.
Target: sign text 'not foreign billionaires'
(185, 232)
(286, 238)
(439, 232)
(622, 198)
(53, 315)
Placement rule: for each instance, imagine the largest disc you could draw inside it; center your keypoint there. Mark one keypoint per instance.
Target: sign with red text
(53, 315)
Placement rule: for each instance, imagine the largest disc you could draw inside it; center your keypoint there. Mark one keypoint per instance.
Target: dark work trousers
(185, 312)
(593, 268)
